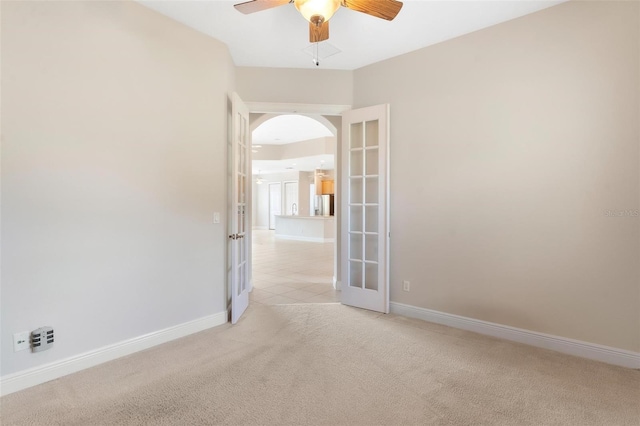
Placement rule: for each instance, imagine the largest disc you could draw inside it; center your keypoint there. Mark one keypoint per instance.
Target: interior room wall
(309, 148)
(260, 207)
(113, 162)
(287, 85)
(515, 172)
(304, 197)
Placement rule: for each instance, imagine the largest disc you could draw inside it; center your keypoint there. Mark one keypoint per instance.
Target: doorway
(275, 203)
(291, 198)
(365, 168)
(294, 257)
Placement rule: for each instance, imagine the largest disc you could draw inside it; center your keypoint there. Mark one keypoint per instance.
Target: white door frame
(284, 195)
(271, 184)
(317, 112)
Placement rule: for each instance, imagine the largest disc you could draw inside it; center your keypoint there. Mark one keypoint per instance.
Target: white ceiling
(304, 164)
(285, 129)
(277, 37)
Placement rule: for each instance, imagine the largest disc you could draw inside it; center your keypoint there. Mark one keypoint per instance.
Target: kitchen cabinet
(328, 187)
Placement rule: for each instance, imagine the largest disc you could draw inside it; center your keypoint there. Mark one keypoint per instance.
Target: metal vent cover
(321, 51)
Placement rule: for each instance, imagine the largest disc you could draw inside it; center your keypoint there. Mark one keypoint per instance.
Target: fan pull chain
(316, 60)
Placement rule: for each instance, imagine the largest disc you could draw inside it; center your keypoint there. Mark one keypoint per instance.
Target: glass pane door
(364, 237)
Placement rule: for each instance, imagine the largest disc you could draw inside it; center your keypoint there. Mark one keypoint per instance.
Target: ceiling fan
(318, 12)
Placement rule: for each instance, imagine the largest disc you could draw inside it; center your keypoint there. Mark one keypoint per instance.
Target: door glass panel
(241, 158)
(355, 274)
(355, 192)
(372, 133)
(355, 246)
(243, 281)
(371, 219)
(371, 196)
(371, 276)
(355, 223)
(371, 248)
(240, 192)
(356, 135)
(372, 161)
(356, 163)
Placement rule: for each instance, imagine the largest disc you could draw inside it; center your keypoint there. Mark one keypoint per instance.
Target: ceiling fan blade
(259, 5)
(385, 9)
(317, 34)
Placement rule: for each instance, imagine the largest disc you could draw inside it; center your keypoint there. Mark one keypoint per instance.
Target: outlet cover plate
(21, 341)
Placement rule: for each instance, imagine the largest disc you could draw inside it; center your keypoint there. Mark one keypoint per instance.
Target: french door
(365, 213)
(238, 243)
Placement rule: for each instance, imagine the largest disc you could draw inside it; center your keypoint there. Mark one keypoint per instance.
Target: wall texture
(113, 162)
(513, 151)
(297, 86)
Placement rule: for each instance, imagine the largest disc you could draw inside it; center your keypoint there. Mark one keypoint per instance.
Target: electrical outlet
(21, 341)
(406, 285)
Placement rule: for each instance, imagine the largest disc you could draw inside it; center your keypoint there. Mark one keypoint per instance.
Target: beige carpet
(330, 364)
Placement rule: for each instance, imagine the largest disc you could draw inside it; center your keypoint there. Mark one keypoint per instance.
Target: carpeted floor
(330, 364)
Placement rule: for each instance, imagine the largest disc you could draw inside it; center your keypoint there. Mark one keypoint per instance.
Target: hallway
(286, 272)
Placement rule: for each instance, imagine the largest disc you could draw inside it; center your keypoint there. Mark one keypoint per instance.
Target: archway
(292, 152)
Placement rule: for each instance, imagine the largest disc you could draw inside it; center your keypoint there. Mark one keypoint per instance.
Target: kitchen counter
(320, 229)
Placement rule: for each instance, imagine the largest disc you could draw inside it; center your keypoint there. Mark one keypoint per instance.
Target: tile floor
(287, 272)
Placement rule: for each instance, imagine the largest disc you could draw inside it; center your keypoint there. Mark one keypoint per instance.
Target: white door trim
(291, 108)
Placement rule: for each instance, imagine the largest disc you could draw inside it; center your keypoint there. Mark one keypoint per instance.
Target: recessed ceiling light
(257, 146)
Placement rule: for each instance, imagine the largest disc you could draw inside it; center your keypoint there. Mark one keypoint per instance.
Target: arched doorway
(294, 171)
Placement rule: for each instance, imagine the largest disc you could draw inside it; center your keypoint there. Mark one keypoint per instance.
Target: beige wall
(508, 146)
(113, 162)
(297, 86)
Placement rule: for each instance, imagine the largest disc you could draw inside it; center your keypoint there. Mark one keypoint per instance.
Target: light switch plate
(216, 217)
(21, 341)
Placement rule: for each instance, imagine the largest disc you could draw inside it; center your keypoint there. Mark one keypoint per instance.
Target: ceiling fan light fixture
(317, 11)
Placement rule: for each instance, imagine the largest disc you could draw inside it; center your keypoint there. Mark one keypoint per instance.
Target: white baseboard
(579, 348)
(41, 374)
(337, 284)
(307, 239)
